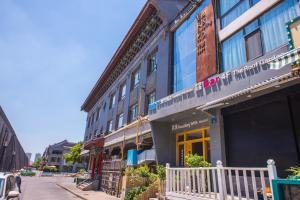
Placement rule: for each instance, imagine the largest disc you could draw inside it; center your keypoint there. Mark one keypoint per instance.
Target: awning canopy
(285, 59)
(97, 142)
(84, 152)
(250, 90)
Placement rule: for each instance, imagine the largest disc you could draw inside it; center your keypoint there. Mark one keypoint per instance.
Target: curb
(67, 189)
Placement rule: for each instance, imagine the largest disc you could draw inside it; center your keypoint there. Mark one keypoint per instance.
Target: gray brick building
(12, 155)
(197, 77)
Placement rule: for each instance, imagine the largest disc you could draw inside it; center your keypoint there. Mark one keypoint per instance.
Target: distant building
(12, 155)
(54, 156)
(37, 156)
(29, 158)
(29, 155)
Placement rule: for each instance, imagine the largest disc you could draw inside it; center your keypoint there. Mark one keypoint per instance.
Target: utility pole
(139, 117)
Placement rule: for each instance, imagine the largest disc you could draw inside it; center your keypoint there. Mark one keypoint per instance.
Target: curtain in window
(273, 24)
(233, 52)
(236, 12)
(225, 5)
(184, 74)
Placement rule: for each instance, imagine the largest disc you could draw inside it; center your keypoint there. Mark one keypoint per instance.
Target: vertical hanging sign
(205, 44)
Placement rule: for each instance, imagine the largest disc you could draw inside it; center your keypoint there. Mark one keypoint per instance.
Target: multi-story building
(235, 90)
(12, 155)
(54, 156)
(29, 155)
(214, 78)
(29, 158)
(37, 156)
(135, 77)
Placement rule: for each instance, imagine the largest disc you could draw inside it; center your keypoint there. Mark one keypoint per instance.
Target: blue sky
(51, 54)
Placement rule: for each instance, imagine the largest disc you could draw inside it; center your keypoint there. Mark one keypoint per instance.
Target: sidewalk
(86, 195)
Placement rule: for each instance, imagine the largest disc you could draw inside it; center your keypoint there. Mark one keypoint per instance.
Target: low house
(54, 156)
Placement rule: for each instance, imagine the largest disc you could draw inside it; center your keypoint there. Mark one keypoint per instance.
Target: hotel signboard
(218, 86)
(205, 44)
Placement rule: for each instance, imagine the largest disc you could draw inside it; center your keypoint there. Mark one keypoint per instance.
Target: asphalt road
(45, 188)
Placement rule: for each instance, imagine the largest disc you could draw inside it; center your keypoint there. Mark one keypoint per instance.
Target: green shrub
(295, 171)
(81, 171)
(50, 169)
(143, 171)
(129, 171)
(161, 172)
(134, 192)
(196, 161)
(152, 178)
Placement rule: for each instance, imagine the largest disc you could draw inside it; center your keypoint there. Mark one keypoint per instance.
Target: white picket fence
(223, 183)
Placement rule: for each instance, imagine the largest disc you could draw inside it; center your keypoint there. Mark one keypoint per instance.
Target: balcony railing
(223, 183)
(147, 156)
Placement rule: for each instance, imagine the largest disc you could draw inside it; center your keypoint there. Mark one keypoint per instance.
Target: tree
(37, 163)
(74, 155)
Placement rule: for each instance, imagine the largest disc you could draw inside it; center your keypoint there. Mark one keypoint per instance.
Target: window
(10, 185)
(92, 120)
(101, 131)
(151, 98)
(184, 52)
(122, 93)
(112, 101)
(261, 36)
(88, 122)
(232, 9)
(120, 120)
(133, 113)
(253, 45)
(152, 62)
(109, 126)
(135, 79)
(98, 114)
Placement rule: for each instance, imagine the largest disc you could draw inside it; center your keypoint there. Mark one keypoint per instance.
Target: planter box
(286, 189)
(149, 193)
(129, 182)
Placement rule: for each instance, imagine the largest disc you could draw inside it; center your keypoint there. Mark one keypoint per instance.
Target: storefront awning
(84, 152)
(251, 90)
(97, 142)
(287, 58)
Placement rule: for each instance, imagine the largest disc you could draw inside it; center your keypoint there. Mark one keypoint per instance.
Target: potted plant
(295, 171)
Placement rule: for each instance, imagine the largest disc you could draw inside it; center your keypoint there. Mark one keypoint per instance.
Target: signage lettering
(219, 80)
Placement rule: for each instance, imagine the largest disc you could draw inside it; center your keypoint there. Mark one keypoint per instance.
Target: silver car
(8, 187)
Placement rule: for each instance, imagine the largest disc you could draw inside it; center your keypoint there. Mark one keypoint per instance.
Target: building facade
(244, 108)
(214, 78)
(37, 156)
(12, 155)
(54, 156)
(135, 77)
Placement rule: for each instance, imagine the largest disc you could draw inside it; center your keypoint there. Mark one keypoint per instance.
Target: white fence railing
(220, 182)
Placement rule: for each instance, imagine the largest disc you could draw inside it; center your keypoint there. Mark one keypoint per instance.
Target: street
(45, 188)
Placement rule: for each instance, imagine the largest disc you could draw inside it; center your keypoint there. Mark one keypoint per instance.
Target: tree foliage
(74, 155)
(36, 164)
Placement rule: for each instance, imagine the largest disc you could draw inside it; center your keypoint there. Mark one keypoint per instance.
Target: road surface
(45, 188)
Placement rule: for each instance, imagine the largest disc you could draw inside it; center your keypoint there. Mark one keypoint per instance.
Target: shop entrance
(192, 142)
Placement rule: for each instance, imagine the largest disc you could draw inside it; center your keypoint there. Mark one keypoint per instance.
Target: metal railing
(220, 182)
(147, 156)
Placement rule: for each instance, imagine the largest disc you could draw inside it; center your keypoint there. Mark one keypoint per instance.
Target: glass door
(192, 142)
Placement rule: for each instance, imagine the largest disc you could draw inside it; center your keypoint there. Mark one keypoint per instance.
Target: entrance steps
(88, 184)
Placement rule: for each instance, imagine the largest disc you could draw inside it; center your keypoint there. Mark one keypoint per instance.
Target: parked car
(8, 187)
